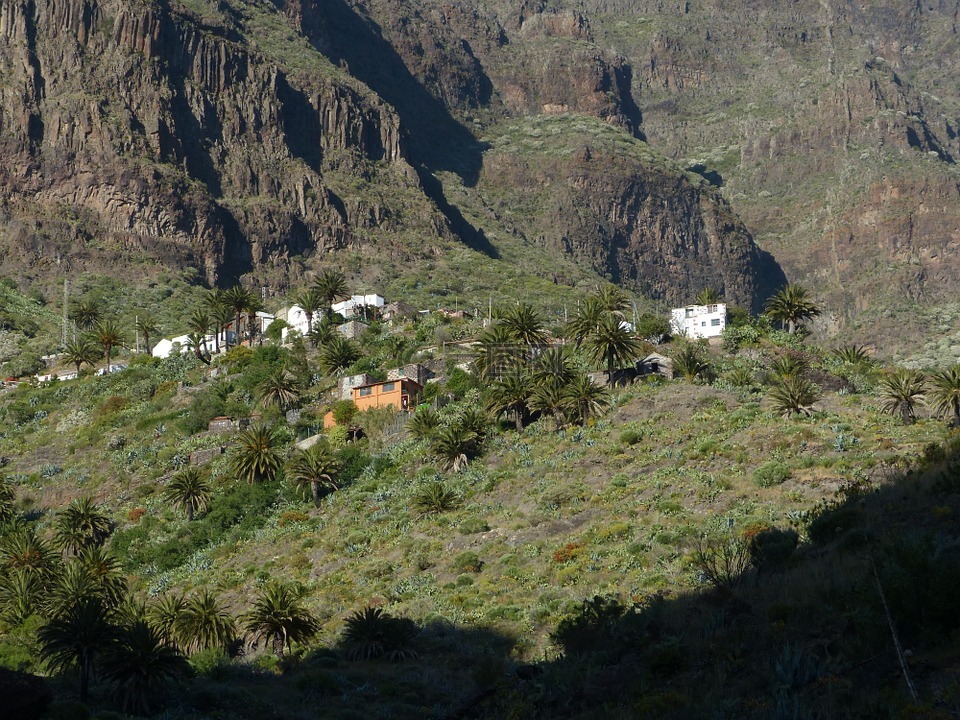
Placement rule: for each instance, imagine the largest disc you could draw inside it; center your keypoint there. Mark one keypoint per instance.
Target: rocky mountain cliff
(245, 137)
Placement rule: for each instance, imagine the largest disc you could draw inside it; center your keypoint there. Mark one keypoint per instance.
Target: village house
(699, 321)
(397, 310)
(400, 394)
(357, 305)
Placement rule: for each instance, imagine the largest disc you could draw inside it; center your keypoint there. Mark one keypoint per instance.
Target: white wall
(699, 321)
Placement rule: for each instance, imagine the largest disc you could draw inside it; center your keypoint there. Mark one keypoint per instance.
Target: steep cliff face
(244, 137)
(174, 141)
(615, 204)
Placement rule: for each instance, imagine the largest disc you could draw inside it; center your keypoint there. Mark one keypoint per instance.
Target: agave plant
(433, 498)
(792, 395)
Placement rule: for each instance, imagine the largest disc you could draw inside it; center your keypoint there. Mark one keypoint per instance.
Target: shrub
(631, 436)
(770, 549)
(771, 473)
(468, 562)
(473, 525)
(135, 514)
(568, 552)
(722, 560)
(343, 411)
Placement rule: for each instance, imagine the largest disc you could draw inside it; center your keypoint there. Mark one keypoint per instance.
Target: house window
(689, 312)
(388, 387)
(715, 322)
(364, 391)
(712, 308)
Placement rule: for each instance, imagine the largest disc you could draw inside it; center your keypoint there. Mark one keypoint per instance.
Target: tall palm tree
(85, 313)
(523, 325)
(82, 349)
(238, 299)
(279, 388)
(901, 390)
(190, 491)
(220, 314)
(147, 327)
(584, 399)
(93, 574)
(206, 623)
(338, 354)
(138, 661)
(496, 354)
(310, 300)
(166, 616)
(256, 457)
(946, 392)
(510, 396)
(550, 398)
(316, 468)
(197, 343)
(255, 306)
(791, 305)
(81, 525)
(279, 618)
(78, 638)
(553, 366)
(109, 335)
(612, 299)
(200, 322)
(612, 344)
(709, 296)
(331, 286)
(586, 320)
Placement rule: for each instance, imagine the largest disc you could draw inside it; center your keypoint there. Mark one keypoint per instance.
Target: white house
(347, 308)
(699, 321)
(296, 319)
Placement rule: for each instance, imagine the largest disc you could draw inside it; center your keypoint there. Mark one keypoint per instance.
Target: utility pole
(63, 328)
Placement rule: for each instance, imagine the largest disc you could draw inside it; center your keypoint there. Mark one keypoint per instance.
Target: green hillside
(634, 557)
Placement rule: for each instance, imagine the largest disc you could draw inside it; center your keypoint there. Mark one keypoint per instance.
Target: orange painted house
(401, 393)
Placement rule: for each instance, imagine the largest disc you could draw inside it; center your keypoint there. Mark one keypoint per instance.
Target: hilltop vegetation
(695, 547)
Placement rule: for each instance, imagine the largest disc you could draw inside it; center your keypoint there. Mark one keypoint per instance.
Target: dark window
(365, 391)
(388, 387)
(715, 322)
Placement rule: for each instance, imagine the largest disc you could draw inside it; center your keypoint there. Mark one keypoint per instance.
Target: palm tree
(554, 365)
(205, 623)
(330, 286)
(138, 661)
(146, 326)
(549, 398)
(791, 305)
(584, 399)
(793, 394)
(496, 354)
(851, 355)
(523, 325)
(338, 354)
(690, 361)
(310, 300)
(585, 322)
(612, 299)
(23, 549)
(197, 343)
(255, 306)
(901, 390)
(510, 396)
(279, 618)
(612, 344)
(256, 458)
(708, 296)
(190, 491)
(22, 594)
(946, 392)
(238, 299)
(453, 446)
(109, 335)
(81, 525)
(81, 350)
(278, 388)
(78, 639)
(423, 423)
(92, 574)
(316, 468)
(8, 510)
(85, 313)
(166, 616)
(200, 322)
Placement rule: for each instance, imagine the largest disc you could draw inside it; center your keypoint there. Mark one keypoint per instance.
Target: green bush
(772, 472)
(631, 436)
(770, 549)
(468, 562)
(473, 525)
